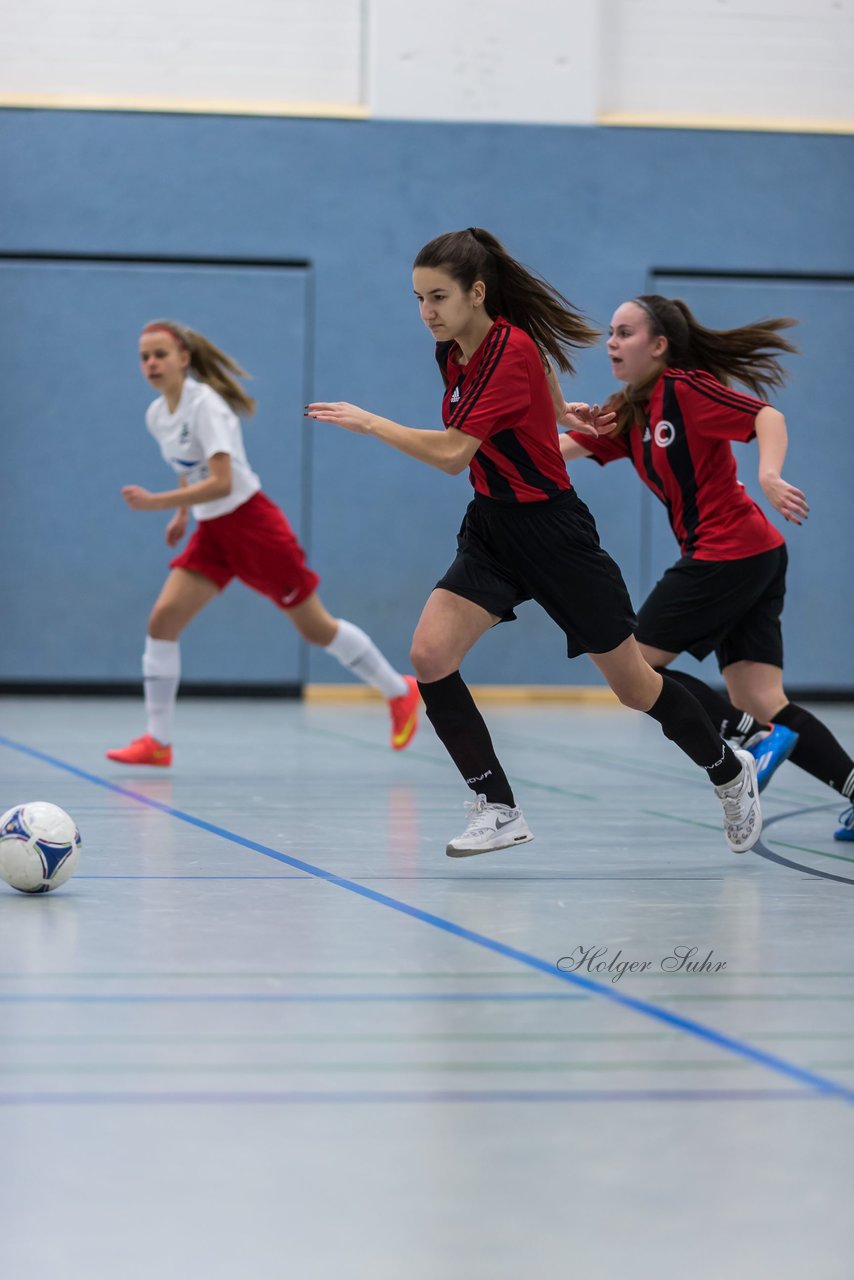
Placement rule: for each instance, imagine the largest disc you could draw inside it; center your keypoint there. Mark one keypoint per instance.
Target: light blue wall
(596, 210)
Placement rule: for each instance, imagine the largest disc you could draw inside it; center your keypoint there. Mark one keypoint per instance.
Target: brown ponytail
(512, 291)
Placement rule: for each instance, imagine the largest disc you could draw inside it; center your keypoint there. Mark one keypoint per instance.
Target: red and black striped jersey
(501, 397)
(682, 452)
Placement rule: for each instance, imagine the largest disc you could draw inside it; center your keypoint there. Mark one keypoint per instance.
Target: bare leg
(448, 628)
(756, 687)
(184, 594)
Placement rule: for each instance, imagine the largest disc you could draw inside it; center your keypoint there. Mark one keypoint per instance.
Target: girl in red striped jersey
(675, 420)
(526, 534)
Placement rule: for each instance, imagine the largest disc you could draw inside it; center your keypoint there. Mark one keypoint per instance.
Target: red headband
(162, 328)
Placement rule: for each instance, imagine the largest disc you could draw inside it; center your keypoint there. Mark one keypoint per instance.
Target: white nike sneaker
(491, 826)
(740, 800)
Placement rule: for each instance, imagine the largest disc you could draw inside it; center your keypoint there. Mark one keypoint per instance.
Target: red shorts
(256, 544)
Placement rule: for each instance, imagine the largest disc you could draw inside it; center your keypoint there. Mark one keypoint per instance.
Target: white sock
(161, 675)
(357, 652)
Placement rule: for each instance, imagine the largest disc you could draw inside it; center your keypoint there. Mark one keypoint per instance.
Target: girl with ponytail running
(675, 419)
(526, 534)
(239, 533)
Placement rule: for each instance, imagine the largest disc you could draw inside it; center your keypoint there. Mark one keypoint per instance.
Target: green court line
(597, 756)
(308, 975)
(605, 758)
(269, 1068)
(754, 995)
(802, 848)
(414, 754)
(711, 826)
(302, 974)
(416, 1037)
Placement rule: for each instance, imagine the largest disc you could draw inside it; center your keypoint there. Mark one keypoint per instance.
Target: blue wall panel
(594, 209)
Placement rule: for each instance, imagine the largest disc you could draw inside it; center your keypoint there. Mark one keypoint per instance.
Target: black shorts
(548, 552)
(730, 606)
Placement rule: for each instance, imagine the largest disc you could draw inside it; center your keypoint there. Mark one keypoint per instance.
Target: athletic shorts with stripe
(730, 606)
(548, 552)
(256, 544)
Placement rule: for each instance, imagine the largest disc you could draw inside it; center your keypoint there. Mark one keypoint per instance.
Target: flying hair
(210, 364)
(512, 291)
(748, 355)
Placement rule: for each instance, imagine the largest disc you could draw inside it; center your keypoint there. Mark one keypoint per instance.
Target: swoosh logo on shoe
(499, 824)
(406, 732)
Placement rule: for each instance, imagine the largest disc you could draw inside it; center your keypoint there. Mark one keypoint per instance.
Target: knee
(164, 623)
(316, 633)
(429, 662)
(764, 709)
(762, 704)
(638, 689)
(635, 697)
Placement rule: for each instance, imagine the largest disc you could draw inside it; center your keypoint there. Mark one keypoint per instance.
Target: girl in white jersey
(240, 533)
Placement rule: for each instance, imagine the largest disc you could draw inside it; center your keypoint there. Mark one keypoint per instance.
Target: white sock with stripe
(161, 675)
(357, 652)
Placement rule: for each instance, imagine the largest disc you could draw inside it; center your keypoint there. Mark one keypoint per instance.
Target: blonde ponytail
(210, 365)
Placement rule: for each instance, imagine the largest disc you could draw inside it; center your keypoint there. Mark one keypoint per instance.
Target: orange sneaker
(144, 750)
(404, 714)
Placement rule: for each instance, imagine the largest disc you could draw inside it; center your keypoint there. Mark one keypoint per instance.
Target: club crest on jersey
(664, 434)
(185, 433)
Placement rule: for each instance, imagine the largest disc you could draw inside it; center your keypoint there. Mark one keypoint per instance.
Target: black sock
(729, 720)
(462, 730)
(817, 750)
(684, 722)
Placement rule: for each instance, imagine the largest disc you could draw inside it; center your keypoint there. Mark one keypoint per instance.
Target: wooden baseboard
(506, 693)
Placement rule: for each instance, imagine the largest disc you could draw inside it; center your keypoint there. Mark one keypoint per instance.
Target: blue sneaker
(769, 750)
(845, 830)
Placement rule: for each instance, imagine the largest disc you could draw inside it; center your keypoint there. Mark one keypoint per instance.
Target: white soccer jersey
(202, 425)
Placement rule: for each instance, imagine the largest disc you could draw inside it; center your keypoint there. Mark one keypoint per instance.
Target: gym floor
(268, 1029)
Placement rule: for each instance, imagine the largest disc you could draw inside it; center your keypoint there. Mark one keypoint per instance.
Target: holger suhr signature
(680, 959)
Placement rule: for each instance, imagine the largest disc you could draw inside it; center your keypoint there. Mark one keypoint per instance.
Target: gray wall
(310, 228)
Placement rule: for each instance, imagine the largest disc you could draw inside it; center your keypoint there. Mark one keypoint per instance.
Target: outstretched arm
(576, 415)
(773, 441)
(450, 451)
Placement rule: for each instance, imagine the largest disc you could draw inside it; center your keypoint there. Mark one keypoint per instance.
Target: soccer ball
(39, 847)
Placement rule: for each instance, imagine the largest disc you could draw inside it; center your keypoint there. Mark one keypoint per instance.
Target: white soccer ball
(39, 846)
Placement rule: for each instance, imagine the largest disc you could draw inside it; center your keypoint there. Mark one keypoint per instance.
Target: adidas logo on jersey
(647, 435)
(455, 396)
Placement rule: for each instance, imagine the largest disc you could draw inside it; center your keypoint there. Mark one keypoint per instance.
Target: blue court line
(810, 1079)
(407, 1096)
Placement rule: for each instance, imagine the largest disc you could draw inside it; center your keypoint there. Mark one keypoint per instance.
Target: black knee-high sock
(684, 722)
(461, 728)
(817, 750)
(728, 719)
